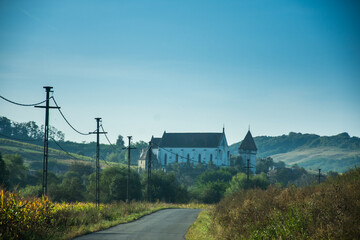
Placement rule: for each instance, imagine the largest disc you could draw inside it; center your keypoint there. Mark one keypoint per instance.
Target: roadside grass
(200, 229)
(39, 218)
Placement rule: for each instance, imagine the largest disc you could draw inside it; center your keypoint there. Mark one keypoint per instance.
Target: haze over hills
(311, 151)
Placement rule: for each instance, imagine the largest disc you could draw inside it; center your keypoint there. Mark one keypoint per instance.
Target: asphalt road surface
(165, 224)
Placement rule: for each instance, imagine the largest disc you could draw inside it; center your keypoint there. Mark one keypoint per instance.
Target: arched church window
(165, 159)
(177, 158)
(199, 158)
(188, 158)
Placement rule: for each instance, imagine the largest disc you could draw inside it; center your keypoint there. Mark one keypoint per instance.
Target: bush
(22, 218)
(329, 210)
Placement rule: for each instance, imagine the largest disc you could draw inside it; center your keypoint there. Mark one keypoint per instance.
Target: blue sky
(184, 66)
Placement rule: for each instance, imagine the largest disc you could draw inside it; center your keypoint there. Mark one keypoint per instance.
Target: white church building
(191, 148)
(195, 148)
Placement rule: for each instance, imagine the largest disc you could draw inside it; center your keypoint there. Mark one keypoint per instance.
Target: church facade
(196, 148)
(190, 148)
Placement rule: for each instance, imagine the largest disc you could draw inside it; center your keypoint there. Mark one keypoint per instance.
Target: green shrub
(330, 210)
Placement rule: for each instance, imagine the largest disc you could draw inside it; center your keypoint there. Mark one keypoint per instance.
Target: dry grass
(327, 211)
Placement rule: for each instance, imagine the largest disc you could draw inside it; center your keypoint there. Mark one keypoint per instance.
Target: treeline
(30, 132)
(268, 146)
(27, 131)
(178, 183)
(78, 183)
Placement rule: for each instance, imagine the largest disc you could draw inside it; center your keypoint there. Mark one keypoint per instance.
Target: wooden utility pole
(128, 173)
(248, 169)
(97, 168)
(46, 140)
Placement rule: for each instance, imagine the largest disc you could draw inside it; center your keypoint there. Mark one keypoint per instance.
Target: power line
(75, 158)
(68, 121)
(64, 149)
(112, 145)
(107, 137)
(23, 104)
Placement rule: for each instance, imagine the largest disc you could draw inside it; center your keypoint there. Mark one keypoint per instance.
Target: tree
(55, 134)
(5, 126)
(113, 182)
(238, 163)
(165, 187)
(240, 182)
(211, 185)
(82, 168)
(17, 170)
(120, 141)
(264, 164)
(4, 173)
(210, 192)
(33, 130)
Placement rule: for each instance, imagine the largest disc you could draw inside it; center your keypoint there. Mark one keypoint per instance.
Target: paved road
(165, 224)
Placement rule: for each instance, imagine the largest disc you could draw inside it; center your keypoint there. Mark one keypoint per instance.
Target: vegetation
(270, 204)
(200, 229)
(329, 210)
(39, 218)
(29, 139)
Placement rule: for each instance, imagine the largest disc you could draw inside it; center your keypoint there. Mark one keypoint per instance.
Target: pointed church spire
(248, 143)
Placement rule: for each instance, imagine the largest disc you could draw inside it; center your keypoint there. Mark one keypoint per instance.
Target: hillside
(336, 153)
(33, 156)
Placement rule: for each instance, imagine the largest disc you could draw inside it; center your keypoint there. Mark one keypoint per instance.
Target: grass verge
(36, 218)
(199, 230)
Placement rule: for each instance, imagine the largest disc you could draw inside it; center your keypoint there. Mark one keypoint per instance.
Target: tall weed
(330, 210)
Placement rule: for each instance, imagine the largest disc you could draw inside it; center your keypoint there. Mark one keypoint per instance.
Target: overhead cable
(23, 104)
(68, 121)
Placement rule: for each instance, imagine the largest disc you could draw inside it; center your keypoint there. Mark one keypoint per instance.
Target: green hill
(336, 153)
(32, 154)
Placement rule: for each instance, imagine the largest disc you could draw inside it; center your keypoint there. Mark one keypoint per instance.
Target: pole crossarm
(47, 107)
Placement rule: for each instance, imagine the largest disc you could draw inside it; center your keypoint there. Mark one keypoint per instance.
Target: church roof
(191, 140)
(248, 143)
(155, 142)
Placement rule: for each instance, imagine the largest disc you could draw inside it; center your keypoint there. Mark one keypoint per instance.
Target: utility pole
(128, 173)
(46, 140)
(248, 169)
(149, 173)
(97, 168)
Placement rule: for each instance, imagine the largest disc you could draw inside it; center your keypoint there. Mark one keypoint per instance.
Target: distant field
(326, 158)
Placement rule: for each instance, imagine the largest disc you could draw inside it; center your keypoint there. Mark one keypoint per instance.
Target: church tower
(248, 150)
